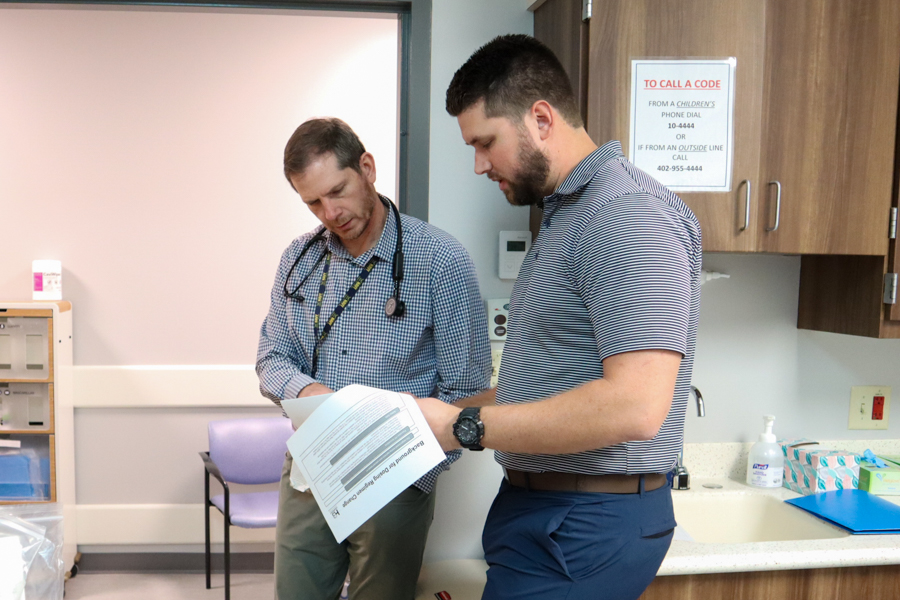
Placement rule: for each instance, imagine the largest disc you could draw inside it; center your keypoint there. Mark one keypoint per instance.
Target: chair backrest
(249, 451)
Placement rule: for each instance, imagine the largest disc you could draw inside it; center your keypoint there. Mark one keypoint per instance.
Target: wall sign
(682, 122)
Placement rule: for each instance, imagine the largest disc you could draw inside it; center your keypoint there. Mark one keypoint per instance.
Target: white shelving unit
(36, 408)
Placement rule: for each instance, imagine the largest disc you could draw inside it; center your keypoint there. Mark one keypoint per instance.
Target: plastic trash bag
(31, 545)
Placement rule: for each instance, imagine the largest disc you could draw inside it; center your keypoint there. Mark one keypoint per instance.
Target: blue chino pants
(543, 545)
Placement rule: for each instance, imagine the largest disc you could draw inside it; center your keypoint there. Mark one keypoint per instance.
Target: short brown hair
(510, 73)
(316, 137)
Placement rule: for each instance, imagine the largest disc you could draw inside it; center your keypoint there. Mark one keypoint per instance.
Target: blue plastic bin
(16, 482)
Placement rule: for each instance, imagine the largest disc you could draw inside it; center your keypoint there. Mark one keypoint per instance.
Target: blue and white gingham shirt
(438, 348)
(615, 268)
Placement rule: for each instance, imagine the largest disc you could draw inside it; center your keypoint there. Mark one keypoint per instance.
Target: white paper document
(358, 450)
(299, 409)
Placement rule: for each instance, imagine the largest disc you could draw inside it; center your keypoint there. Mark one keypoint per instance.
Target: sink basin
(741, 518)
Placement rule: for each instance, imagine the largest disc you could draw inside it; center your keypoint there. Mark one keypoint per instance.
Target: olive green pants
(383, 557)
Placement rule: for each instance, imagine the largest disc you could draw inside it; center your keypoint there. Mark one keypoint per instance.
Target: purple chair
(244, 451)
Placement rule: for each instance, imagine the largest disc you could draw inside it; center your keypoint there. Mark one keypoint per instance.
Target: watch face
(467, 431)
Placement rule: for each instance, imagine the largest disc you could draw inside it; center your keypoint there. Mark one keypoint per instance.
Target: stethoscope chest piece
(394, 307)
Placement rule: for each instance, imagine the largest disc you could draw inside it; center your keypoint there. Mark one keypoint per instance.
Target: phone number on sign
(679, 168)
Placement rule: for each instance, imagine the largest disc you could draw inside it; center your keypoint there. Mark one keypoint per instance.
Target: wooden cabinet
(829, 125)
(36, 409)
(621, 30)
(816, 101)
(815, 110)
(847, 294)
(851, 583)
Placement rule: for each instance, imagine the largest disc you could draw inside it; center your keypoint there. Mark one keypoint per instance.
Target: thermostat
(514, 245)
(498, 318)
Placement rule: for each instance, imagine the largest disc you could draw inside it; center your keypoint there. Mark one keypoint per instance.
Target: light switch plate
(865, 404)
(496, 356)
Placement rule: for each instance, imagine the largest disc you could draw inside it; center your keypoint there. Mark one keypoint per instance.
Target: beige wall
(142, 147)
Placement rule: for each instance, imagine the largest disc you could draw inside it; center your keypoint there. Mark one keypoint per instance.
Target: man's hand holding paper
(358, 448)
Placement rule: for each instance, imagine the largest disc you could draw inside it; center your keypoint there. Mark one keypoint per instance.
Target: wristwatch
(469, 429)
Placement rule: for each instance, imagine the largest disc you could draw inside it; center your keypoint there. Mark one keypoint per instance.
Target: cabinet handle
(777, 205)
(746, 206)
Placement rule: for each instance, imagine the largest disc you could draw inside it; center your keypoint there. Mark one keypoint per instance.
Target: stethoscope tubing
(396, 262)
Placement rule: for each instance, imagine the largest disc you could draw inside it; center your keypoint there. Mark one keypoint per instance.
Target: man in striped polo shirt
(588, 414)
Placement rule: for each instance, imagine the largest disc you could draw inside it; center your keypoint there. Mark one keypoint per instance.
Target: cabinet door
(621, 30)
(558, 24)
(831, 81)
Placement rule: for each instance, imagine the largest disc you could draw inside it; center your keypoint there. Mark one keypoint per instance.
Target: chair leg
(227, 548)
(208, 558)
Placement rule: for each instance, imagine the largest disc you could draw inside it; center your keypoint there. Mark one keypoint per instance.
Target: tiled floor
(161, 586)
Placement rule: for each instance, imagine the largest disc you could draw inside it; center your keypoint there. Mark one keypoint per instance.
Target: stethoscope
(394, 307)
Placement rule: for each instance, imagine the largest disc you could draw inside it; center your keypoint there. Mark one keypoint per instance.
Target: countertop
(724, 464)
(686, 558)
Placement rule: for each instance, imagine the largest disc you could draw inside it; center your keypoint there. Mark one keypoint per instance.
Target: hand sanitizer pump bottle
(765, 465)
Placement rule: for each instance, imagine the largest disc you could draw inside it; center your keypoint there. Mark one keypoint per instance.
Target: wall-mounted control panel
(498, 318)
(514, 245)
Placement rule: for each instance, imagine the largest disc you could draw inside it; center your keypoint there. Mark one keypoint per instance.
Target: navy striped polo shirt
(615, 268)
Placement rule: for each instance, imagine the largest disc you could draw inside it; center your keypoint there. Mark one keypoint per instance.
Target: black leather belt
(549, 481)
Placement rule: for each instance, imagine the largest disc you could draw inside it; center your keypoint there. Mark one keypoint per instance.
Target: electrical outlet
(869, 407)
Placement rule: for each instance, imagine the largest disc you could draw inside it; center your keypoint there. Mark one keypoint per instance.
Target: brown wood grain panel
(622, 30)
(51, 394)
(829, 124)
(890, 330)
(558, 24)
(52, 468)
(841, 294)
(50, 351)
(893, 312)
(850, 583)
(27, 312)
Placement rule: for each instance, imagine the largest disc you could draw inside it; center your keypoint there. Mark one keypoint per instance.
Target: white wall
(471, 208)
(474, 210)
(752, 360)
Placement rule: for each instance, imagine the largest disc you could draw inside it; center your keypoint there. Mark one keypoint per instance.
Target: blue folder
(857, 511)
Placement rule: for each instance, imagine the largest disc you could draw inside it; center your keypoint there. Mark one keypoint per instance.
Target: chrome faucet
(681, 479)
(701, 409)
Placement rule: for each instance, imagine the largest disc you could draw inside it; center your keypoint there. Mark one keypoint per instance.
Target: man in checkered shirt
(435, 345)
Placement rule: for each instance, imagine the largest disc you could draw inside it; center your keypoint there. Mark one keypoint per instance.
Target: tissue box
(890, 459)
(884, 481)
(810, 469)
